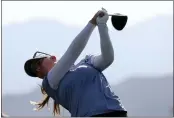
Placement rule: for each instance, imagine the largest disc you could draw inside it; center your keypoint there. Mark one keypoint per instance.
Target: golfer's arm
(107, 52)
(70, 56)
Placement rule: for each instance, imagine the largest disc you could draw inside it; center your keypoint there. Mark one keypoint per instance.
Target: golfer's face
(47, 63)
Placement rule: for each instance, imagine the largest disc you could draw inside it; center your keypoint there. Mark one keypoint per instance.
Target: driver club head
(119, 21)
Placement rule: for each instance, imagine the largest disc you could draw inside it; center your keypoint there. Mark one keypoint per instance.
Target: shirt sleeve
(102, 61)
(89, 59)
(70, 56)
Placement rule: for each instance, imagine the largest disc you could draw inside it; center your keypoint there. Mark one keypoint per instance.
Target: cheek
(47, 63)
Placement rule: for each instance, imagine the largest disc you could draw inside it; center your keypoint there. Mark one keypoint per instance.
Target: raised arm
(106, 57)
(70, 56)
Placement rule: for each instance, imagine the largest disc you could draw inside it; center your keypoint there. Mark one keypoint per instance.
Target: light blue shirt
(84, 91)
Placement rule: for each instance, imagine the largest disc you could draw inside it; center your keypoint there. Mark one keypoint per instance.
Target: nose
(53, 58)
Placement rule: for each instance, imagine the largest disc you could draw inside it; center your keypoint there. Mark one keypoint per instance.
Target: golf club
(118, 21)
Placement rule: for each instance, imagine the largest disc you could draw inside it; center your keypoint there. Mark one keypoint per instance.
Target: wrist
(91, 25)
(101, 24)
(93, 21)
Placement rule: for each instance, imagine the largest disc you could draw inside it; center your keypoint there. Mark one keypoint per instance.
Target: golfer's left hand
(93, 20)
(100, 14)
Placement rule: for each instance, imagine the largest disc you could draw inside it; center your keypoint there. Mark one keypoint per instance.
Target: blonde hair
(40, 105)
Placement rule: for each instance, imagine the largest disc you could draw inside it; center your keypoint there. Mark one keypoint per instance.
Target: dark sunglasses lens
(40, 61)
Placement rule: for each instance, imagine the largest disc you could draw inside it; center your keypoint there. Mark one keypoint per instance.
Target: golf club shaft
(116, 14)
(110, 14)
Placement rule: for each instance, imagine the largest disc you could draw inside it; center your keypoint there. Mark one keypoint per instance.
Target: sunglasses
(40, 54)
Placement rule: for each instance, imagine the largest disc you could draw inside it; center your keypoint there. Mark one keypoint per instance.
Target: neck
(41, 76)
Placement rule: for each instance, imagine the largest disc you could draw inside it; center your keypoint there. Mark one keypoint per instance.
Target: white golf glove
(104, 19)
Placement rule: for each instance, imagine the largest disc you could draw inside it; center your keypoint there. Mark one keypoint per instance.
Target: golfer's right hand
(102, 17)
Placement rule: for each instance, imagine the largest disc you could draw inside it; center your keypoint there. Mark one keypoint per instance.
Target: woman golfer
(82, 89)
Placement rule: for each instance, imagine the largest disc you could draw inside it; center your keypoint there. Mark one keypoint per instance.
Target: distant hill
(147, 96)
(141, 96)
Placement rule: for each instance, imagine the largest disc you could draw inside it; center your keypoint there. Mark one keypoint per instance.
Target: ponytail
(56, 108)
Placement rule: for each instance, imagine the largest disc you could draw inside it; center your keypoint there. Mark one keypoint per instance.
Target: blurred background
(141, 75)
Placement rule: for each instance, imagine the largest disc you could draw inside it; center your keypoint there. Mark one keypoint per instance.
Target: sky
(80, 12)
(75, 14)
